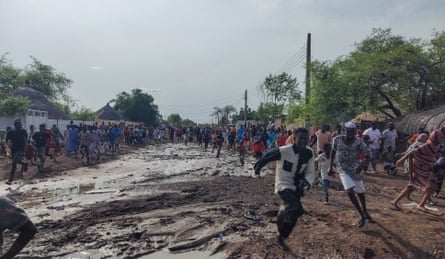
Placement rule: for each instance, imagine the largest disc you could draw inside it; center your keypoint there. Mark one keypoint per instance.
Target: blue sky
(197, 54)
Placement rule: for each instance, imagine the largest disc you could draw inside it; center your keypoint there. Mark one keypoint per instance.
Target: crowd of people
(350, 153)
(302, 159)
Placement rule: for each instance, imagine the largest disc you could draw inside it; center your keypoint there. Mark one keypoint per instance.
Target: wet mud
(176, 200)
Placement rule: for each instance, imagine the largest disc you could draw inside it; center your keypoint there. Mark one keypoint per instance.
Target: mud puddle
(134, 206)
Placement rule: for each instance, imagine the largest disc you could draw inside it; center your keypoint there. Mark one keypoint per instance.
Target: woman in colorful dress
(421, 162)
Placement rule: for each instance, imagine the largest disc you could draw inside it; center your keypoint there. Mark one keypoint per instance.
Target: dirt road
(174, 200)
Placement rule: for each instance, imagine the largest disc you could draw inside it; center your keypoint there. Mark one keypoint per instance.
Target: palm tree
(226, 111)
(222, 114)
(218, 112)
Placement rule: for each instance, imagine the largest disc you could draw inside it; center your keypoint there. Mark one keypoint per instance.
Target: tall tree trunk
(390, 105)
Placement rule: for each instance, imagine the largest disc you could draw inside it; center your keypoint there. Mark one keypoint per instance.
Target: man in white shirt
(389, 138)
(375, 137)
(294, 170)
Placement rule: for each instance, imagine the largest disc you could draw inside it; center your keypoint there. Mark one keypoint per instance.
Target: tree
(9, 76)
(188, 123)
(65, 107)
(240, 116)
(267, 111)
(222, 114)
(137, 106)
(174, 119)
(83, 114)
(217, 113)
(226, 111)
(14, 105)
(279, 90)
(385, 73)
(333, 97)
(47, 80)
(296, 113)
(36, 75)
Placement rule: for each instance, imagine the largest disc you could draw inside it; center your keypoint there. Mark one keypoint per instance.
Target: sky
(194, 55)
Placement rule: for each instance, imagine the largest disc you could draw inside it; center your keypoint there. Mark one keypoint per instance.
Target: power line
(295, 64)
(292, 59)
(301, 50)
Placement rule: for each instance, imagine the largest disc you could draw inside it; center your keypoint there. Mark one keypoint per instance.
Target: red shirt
(258, 147)
(282, 140)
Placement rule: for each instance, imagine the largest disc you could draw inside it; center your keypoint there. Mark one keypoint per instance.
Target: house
(40, 110)
(40, 102)
(108, 115)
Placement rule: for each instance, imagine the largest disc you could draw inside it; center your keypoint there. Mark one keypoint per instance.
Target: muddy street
(172, 200)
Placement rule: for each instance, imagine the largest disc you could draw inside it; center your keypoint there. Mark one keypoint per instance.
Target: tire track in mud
(149, 223)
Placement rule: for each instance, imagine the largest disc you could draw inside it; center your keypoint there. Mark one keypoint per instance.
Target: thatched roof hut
(430, 120)
(40, 102)
(107, 113)
(369, 116)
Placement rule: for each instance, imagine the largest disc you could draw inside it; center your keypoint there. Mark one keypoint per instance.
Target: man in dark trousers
(40, 139)
(17, 138)
(295, 169)
(16, 220)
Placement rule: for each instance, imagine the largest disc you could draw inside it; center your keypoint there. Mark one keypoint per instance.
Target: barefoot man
(345, 155)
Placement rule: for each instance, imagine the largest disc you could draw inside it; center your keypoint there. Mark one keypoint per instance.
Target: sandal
(394, 207)
(439, 196)
(252, 216)
(361, 222)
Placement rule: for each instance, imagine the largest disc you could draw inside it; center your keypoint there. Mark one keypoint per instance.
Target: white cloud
(96, 68)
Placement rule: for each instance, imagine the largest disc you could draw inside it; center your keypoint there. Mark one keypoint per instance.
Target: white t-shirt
(374, 137)
(389, 138)
(324, 164)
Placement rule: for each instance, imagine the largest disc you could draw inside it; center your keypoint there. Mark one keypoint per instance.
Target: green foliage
(36, 75)
(65, 107)
(333, 98)
(83, 114)
(385, 73)
(14, 105)
(267, 111)
(137, 106)
(9, 76)
(240, 116)
(174, 119)
(188, 123)
(296, 113)
(280, 89)
(47, 80)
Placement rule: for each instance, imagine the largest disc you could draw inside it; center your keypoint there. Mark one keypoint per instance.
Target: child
(388, 157)
(258, 148)
(217, 144)
(242, 149)
(323, 160)
(362, 156)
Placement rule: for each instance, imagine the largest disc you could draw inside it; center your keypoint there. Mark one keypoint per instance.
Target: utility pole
(245, 109)
(308, 75)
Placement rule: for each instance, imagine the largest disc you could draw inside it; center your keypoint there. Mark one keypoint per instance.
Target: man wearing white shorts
(345, 155)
